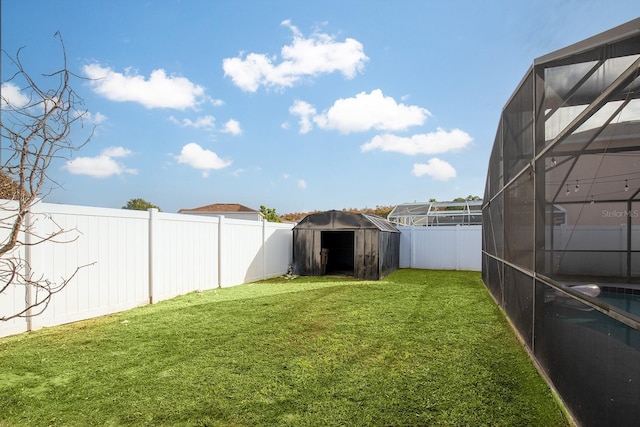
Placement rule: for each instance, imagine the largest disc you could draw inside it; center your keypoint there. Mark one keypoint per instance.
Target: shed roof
(339, 220)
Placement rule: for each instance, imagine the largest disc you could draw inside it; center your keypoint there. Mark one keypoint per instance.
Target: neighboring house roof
(220, 208)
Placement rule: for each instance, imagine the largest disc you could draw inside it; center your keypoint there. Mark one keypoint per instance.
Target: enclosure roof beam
(623, 80)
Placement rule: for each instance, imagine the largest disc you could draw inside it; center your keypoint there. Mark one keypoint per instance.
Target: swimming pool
(623, 298)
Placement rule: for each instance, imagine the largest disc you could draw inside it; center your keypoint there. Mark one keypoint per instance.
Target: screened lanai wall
(561, 222)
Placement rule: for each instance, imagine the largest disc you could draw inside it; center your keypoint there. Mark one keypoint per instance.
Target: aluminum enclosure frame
(561, 222)
(432, 214)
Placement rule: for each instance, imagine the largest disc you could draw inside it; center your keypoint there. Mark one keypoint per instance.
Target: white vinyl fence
(132, 258)
(593, 249)
(456, 247)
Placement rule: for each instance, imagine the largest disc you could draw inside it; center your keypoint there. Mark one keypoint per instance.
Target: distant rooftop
(220, 207)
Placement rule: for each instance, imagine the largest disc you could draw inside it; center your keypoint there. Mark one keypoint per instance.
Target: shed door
(339, 249)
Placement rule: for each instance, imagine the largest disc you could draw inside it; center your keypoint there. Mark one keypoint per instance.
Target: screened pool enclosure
(561, 222)
(437, 213)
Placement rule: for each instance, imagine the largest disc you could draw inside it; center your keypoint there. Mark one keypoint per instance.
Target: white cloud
(199, 158)
(101, 166)
(97, 118)
(158, 91)
(249, 73)
(436, 169)
(12, 97)
(300, 183)
(371, 111)
(318, 54)
(92, 118)
(437, 142)
(208, 122)
(204, 122)
(364, 112)
(233, 127)
(305, 113)
(116, 152)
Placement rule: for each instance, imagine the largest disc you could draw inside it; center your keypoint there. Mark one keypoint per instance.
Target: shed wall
(389, 251)
(376, 253)
(306, 252)
(366, 254)
(376, 244)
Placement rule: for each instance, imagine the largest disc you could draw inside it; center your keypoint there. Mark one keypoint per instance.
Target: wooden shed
(364, 246)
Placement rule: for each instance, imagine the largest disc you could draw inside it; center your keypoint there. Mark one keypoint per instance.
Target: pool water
(625, 301)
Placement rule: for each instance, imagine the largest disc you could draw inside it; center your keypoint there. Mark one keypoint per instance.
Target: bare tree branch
(34, 130)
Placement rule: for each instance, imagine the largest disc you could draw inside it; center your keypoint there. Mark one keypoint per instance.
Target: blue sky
(295, 105)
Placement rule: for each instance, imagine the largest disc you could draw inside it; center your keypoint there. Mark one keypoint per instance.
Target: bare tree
(36, 126)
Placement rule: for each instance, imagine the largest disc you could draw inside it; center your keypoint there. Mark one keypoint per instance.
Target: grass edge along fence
(420, 347)
(133, 258)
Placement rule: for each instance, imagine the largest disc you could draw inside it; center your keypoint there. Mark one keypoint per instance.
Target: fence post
(220, 242)
(458, 246)
(27, 271)
(412, 242)
(34, 322)
(152, 220)
(262, 248)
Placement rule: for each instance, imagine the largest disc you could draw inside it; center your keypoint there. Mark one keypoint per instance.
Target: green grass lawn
(419, 348)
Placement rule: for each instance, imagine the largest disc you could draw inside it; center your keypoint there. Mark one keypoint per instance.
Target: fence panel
(241, 257)
(406, 244)
(470, 248)
(278, 249)
(130, 257)
(441, 248)
(185, 254)
(584, 250)
(13, 298)
(109, 247)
